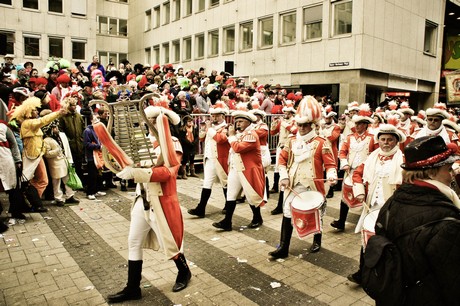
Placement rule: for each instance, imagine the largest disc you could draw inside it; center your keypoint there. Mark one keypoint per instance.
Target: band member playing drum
(156, 218)
(302, 161)
(353, 153)
(380, 175)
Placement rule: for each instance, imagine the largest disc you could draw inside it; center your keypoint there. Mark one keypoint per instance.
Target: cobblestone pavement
(77, 255)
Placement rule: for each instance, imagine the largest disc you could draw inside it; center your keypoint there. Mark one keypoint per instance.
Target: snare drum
(347, 194)
(306, 214)
(368, 226)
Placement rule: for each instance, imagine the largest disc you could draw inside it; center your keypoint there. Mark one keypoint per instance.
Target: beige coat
(57, 158)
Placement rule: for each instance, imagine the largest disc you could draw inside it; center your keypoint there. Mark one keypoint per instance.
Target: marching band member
(353, 153)
(434, 127)
(331, 131)
(156, 218)
(215, 156)
(283, 127)
(302, 161)
(419, 120)
(245, 169)
(380, 175)
(353, 109)
(405, 118)
(262, 131)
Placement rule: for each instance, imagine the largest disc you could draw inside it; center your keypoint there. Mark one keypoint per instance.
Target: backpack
(382, 274)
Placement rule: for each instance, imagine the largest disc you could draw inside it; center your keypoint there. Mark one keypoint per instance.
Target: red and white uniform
(355, 149)
(448, 135)
(246, 170)
(161, 225)
(261, 128)
(304, 159)
(332, 133)
(408, 126)
(216, 150)
(283, 128)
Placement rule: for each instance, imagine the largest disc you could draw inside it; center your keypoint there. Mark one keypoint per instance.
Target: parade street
(77, 255)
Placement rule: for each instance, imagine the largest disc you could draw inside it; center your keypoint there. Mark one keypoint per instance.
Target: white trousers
(210, 174)
(234, 186)
(139, 228)
(58, 194)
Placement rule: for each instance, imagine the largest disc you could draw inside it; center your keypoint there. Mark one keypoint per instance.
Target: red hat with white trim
(439, 109)
(309, 110)
(364, 114)
(242, 112)
(219, 108)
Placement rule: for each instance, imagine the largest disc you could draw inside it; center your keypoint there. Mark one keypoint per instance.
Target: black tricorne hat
(429, 152)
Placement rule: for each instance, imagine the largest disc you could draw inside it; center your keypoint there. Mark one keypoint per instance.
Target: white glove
(140, 175)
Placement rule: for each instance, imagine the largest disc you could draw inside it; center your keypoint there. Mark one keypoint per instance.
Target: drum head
(307, 200)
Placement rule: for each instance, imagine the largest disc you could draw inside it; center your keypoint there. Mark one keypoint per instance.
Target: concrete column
(351, 92)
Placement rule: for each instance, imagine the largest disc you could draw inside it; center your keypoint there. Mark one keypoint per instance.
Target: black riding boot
(276, 180)
(316, 246)
(330, 193)
(286, 232)
(226, 223)
(340, 224)
(132, 291)
(267, 184)
(279, 207)
(184, 274)
(256, 217)
(201, 208)
(225, 196)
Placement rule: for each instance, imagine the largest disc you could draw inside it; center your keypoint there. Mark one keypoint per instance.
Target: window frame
(242, 26)
(261, 22)
(282, 29)
(148, 24)
(156, 17)
(199, 46)
(176, 50)
(7, 4)
(61, 39)
(432, 36)
(9, 47)
(188, 4)
(313, 22)
(335, 26)
(55, 12)
(79, 41)
(166, 52)
(214, 3)
(31, 8)
(166, 12)
(187, 49)
(28, 45)
(226, 40)
(213, 43)
(177, 10)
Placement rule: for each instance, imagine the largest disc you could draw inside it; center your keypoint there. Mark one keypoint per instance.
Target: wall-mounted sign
(339, 64)
(452, 53)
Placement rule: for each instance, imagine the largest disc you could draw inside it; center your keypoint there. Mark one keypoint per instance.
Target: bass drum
(347, 194)
(305, 210)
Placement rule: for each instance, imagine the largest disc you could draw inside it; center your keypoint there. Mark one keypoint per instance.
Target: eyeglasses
(433, 119)
(300, 125)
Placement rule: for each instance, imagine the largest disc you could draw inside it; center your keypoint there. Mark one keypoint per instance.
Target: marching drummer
(381, 174)
(301, 162)
(353, 153)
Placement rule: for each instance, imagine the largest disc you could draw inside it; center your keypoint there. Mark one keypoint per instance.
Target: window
(55, 6)
(123, 27)
(167, 12)
(103, 25)
(187, 47)
(342, 12)
(166, 52)
(213, 3)
(188, 7)
(176, 51)
(177, 9)
(78, 8)
(6, 2)
(156, 17)
(32, 45)
(246, 36)
(213, 38)
(288, 28)
(30, 4)
(6, 43)
(431, 37)
(313, 22)
(112, 26)
(201, 5)
(148, 55)
(78, 49)
(148, 20)
(56, 47)
(229, 40)
(266, 32)
(156, 54)
(199, 42)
